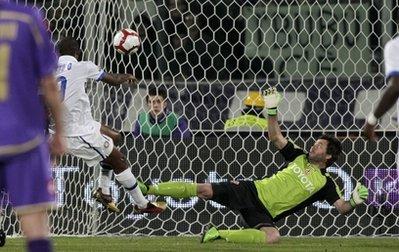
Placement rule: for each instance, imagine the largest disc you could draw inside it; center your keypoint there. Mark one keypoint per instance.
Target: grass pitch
(106, 243)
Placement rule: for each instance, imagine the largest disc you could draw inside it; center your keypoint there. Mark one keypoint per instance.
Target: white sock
(129, 182)
(105, 179)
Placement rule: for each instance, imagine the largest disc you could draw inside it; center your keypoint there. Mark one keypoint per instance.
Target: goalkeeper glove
(359, 195)
(272, 99)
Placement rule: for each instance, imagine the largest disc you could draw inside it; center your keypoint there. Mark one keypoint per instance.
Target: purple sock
(40, 245)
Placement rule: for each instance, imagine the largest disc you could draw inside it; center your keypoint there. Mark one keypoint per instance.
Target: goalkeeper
(262, 202)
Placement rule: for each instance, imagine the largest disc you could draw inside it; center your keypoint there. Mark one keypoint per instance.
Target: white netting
(325, 55)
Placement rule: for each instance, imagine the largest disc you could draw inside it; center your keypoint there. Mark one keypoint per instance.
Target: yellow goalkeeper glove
(272, 99)
(359, 195)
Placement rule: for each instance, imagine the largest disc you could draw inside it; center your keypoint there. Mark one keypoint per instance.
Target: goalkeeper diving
(263, 202)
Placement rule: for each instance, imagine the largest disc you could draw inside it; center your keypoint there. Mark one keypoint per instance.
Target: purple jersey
(26, 56)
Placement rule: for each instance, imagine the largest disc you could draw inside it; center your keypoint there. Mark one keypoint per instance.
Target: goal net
(214, 56)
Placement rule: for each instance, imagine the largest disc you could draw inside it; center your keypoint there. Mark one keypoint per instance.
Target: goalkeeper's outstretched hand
(272, 99)
(359, 195)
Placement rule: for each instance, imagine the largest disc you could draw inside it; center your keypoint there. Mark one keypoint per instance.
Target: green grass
(186, 244)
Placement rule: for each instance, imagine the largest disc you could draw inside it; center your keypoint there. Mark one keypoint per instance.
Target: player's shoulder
(18, 11)
(10, 6)
(392, 45)
(87, 64)
(73, 61)
(66, 62)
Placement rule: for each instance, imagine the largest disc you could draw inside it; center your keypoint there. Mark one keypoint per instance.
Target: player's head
(325, 150)
(157, 99)
(69, 46)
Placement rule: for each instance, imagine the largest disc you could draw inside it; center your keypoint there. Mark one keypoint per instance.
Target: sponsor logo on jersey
(302, 176)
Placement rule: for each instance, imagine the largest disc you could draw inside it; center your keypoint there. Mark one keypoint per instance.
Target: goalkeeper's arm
(359, 195)
(272, 99)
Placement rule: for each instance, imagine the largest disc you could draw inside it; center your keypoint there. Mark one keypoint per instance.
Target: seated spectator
(159, 121)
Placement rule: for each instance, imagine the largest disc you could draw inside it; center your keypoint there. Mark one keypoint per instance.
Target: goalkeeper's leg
(236, 195)
(250, 235)
(175, 189)
(178, 189)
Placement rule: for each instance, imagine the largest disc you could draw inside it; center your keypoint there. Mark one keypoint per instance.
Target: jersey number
(4, 70)
(62, 81)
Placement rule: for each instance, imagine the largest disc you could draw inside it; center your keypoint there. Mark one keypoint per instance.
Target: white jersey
(72, 76)
(391, 59)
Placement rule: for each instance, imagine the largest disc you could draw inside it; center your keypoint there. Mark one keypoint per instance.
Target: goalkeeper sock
(243, 236)
(105, 178)
(174, 189)
(129, 182)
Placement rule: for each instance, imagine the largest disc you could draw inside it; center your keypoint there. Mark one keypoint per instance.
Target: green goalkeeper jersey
(296, 186)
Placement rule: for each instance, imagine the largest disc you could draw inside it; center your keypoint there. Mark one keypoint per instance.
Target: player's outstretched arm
(52, 98)
(118, 79)
(388, 99)
(359, 195)
(272, 99)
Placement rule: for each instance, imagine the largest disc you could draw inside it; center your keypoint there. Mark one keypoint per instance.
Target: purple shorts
(27, 179)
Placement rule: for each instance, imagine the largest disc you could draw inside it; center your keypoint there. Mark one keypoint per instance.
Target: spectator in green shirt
(159, 121)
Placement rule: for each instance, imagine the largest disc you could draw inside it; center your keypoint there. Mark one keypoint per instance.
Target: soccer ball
(127, 41)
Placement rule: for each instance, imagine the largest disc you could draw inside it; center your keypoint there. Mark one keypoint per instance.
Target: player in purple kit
(27, 63)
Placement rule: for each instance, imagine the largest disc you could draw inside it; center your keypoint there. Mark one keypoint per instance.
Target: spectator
(159, 121)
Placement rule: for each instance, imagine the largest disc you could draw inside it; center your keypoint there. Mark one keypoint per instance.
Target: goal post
(327, 58)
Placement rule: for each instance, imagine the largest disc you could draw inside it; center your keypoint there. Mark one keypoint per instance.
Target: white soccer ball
(127, 41)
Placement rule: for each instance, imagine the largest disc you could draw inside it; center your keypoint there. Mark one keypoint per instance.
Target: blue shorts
(27, 179)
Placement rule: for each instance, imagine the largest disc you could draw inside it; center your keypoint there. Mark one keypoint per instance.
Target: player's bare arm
(386, 102)
(272, 99)
(52, 99)
(389, 97)
(118, 79)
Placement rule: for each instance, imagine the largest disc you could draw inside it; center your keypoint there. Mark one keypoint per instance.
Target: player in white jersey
(391, 92)
(88, 139)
